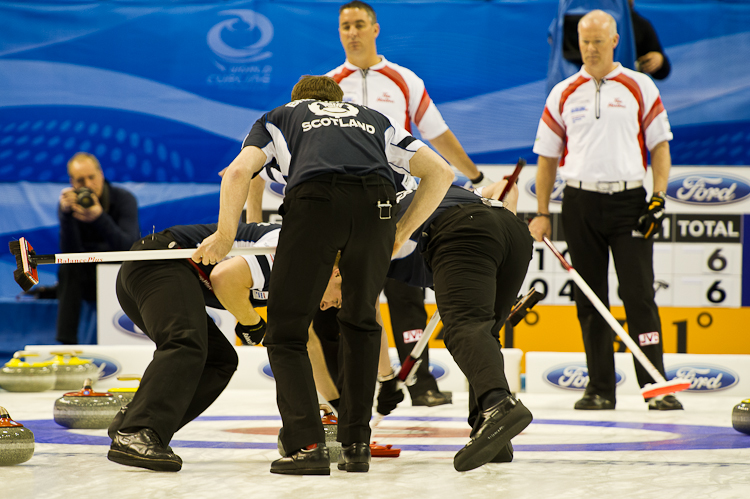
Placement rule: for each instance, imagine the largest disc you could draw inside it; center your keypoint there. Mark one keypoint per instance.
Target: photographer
(94, 216)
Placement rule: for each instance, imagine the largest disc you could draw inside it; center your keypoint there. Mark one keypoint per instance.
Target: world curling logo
(574, 376)
(229, 38)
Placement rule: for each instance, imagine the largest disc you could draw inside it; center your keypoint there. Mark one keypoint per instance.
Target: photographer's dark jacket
(116, 229)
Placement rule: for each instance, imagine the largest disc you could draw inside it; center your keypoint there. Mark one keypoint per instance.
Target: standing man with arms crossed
(341, 161)
(602, 120)
(369, 79)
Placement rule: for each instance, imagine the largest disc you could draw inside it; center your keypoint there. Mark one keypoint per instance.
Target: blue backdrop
(163, 92)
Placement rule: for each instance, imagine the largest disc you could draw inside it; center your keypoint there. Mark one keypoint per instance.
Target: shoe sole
(482, 451)
(127, 459)
(303, 471)
(354, 467)
(505, 455)
(594, 408)
(650, 408)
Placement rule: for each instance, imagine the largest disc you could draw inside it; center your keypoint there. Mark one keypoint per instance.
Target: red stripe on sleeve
(632, 85)
(655, 111)
(552, 124)
(423, 105)
(396, 78)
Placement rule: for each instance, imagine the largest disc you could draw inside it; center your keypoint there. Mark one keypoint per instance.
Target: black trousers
(406, 307)
(322, 216)
(193, 362)
(479, 258)
(594, 224)
(75, 283)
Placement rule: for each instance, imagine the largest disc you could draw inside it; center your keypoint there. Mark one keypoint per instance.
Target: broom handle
(128, 256)
(607, 315)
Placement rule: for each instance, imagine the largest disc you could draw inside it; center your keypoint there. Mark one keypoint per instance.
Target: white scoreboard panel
(698, 255)
(687, 274)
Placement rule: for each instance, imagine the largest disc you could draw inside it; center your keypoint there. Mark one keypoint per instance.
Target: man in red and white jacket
(596, 130)
(367, 78)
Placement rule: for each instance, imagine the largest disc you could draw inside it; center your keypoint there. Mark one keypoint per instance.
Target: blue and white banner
(164, 92)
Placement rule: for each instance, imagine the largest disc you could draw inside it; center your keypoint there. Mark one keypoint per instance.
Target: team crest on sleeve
(334, 109)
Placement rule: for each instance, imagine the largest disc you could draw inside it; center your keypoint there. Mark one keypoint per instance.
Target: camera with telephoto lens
(84, 197)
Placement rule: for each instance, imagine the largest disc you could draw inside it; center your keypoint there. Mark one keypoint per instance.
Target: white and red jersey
(394, 91)
(602, 131)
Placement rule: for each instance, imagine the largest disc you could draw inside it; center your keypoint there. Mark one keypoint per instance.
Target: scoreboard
(701, 265)
(697, 263)
(698, 254)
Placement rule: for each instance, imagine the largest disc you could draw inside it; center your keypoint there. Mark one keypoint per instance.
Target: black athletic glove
(390, 394)
(251, 335)
(650, 222)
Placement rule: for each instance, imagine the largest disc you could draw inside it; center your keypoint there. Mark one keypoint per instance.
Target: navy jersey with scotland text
(307, 138)
(408, 265)
(263, 234)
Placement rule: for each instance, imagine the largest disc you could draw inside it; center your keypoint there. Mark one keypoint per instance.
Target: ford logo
(277, 188)
(111, 366)
(123, 323)
(557, 190)
(708, 188)
(266, 371)
(574, 376)
(705, 378)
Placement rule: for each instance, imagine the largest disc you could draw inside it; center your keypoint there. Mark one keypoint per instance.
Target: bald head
(597, 39)
(598, 19)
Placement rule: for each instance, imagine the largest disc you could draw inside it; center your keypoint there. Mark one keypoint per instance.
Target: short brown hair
(84, 155)
(357, 4)
(318, 88)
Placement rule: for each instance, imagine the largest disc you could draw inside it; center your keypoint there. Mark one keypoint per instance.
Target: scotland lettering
(574, 376)
(351, 122)
(705, 378)
(708, 188)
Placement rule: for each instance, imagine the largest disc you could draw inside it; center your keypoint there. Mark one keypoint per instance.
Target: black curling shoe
(500, 424)
(304, 462)
(143, 449)
(355, 457)
(664, 403)
(593, 402)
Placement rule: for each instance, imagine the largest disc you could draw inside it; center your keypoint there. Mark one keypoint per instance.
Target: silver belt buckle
(605, 187)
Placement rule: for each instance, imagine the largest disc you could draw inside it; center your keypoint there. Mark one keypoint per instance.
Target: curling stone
(330, 427)
(125, 394)
(20, 376)
(741, 417)
(72, 371)
(16, 441)
(86, 408)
